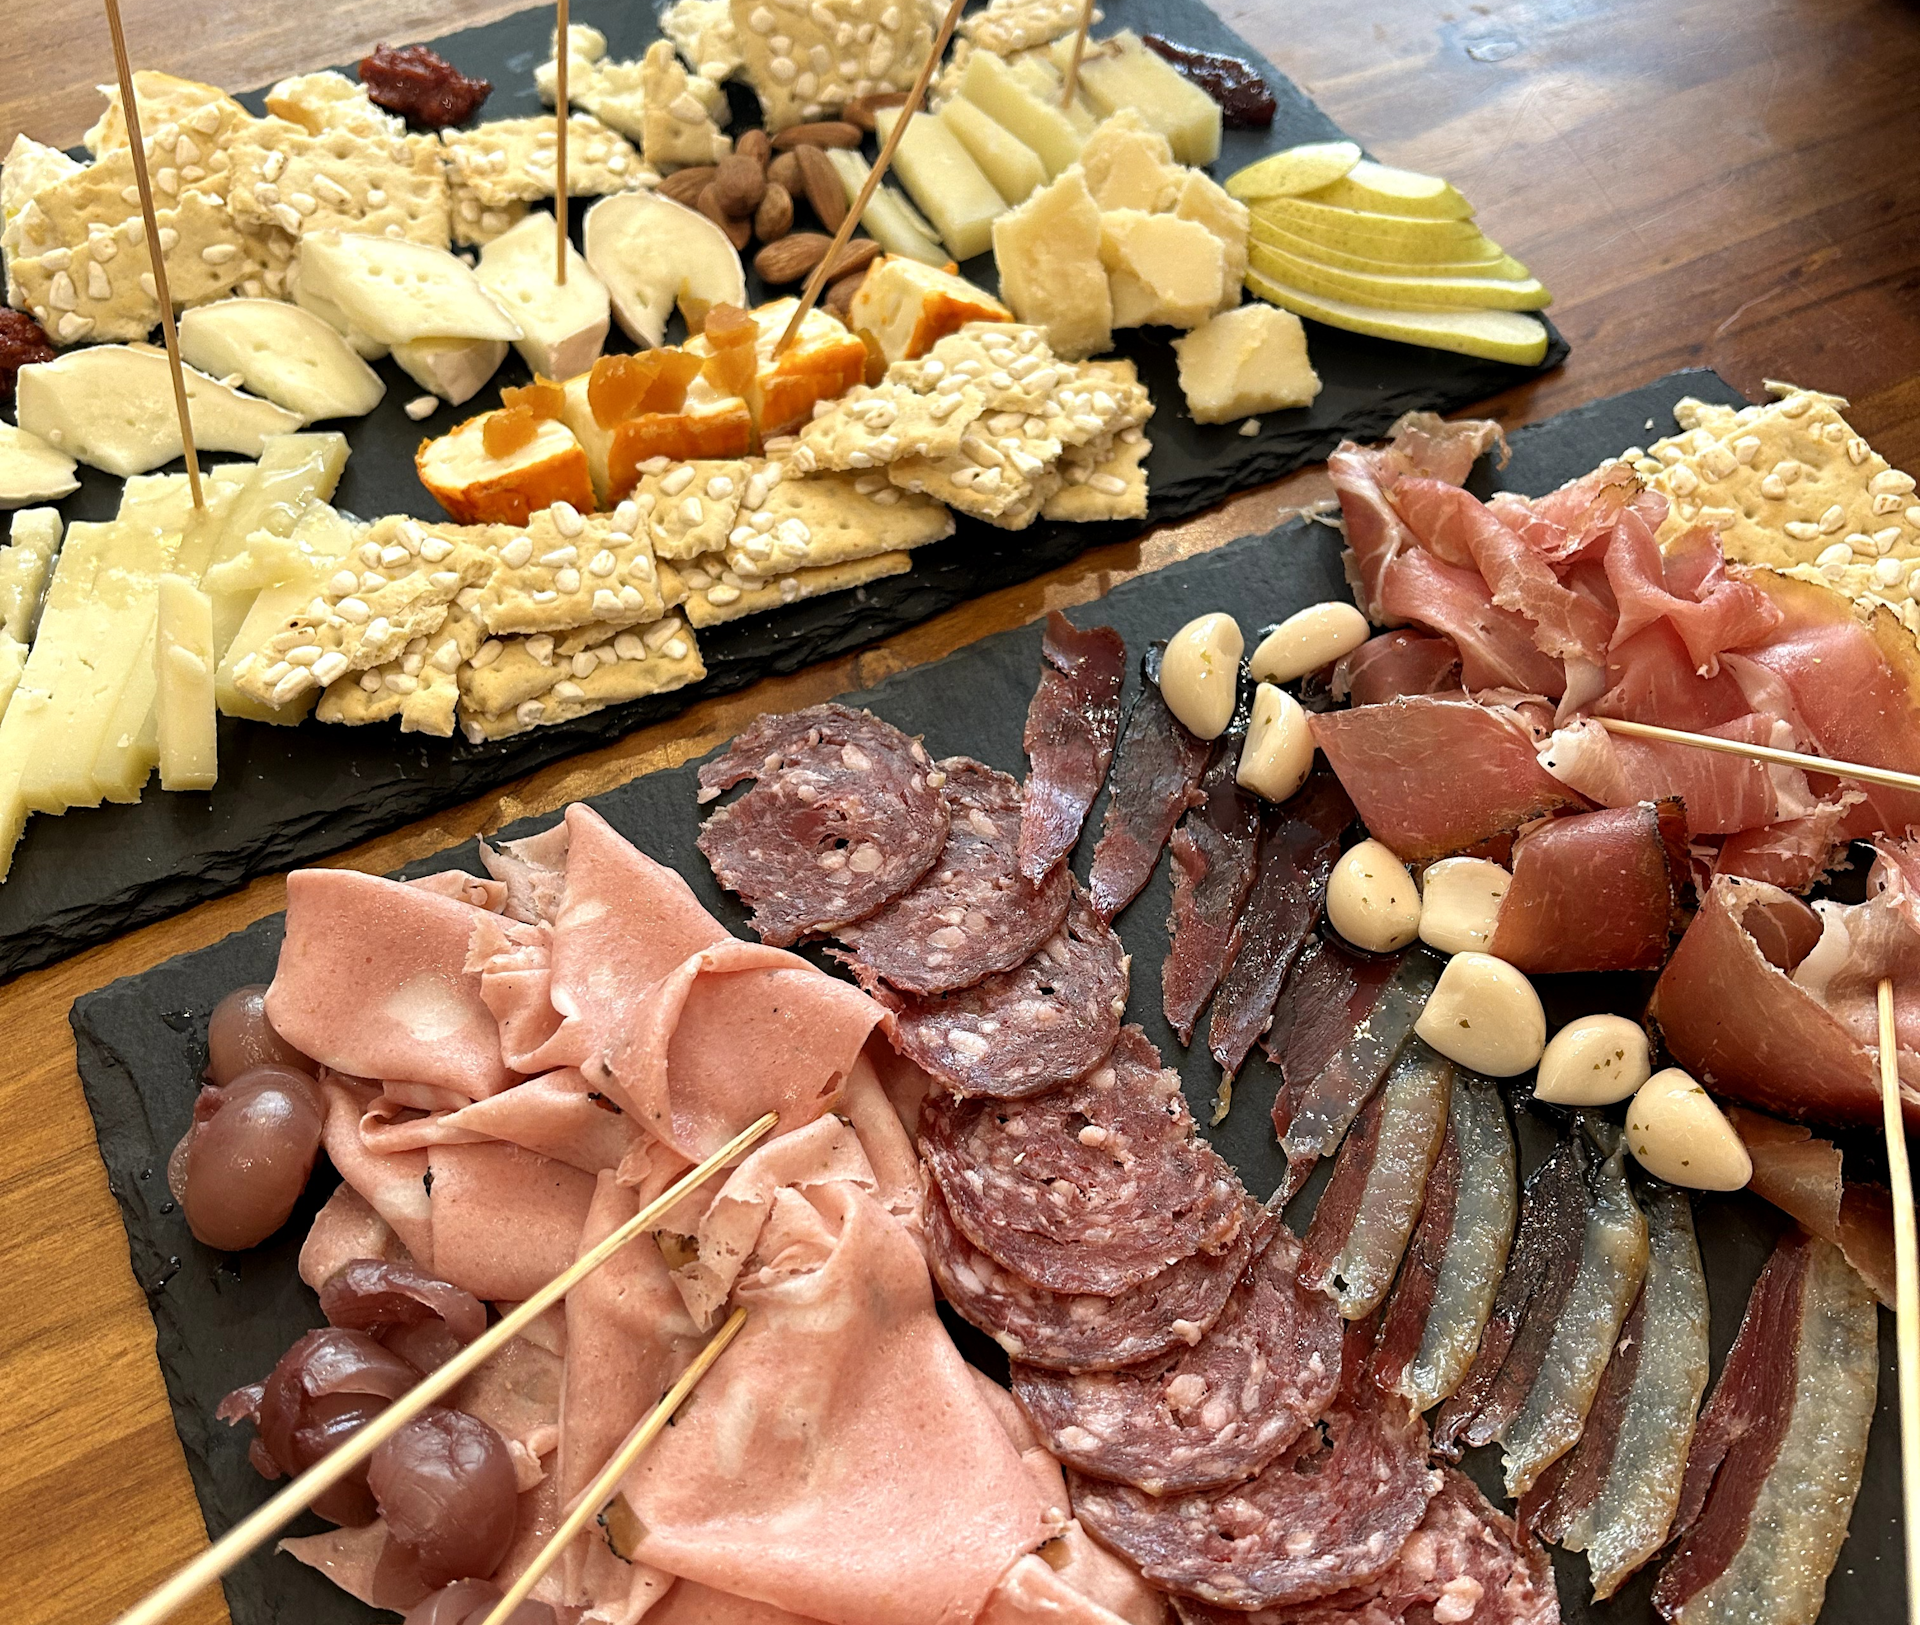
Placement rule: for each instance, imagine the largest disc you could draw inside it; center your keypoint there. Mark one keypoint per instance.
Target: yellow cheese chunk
(1013, 166)
(1121, 72)
(184, 665)
(890, 220)
(25, 564)
(1245, 361)
(1162, 271)
(941, 176)
(1129, 165)
(1051, 276)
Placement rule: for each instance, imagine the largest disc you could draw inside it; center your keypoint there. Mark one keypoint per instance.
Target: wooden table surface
(1728, 183)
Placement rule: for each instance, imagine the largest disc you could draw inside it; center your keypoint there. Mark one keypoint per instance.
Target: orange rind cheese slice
(479, 488)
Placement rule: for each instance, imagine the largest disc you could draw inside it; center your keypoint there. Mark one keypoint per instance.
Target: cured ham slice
(1776, 1459)
(393, 1183)
(1395, 663)
(1596, 891)
(691, 1604)
(346, 1228)
(1794, 852)
(559, 1115)
(1156, 777)
(901, 1498)
(1497, 647)
(1720, 794)
(1214, 853)
(1384, 755)
(1579, 517)
(1687, 586)
(1069, 737)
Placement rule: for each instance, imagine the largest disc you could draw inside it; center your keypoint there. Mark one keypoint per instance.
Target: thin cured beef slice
(1330, 1513)
(845, 814)
(1065, 1331)
(1156, 778)
(372, 981)
(839, 1461)
(1330, 991)
(1047, 1022)
(1595, 892)
(1091, 1188)
(1497, 647)
(1776, 1459)
(1685, 584)
(1207, 1416)
(973, 914)
(1214, 852)
(1395, 663)
(1071, 727)
(1384, 756)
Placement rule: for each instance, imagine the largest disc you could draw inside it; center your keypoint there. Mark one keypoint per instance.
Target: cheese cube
(907, 308)
(396, 291)
(31, 470)
(187, 723)
(951, 189)
(361, 344)
(1013, 166)
(477, 488)
(1051, 275)
(563, 326)
(1130, 166)
(1244, 362)
(454, 369)
(594, 439)
(1048, 84)
(1121, 72)
(711, 429)
(822, 363)
(1206, 203)
(1163, 271)
(1031, 119)
(288, 355)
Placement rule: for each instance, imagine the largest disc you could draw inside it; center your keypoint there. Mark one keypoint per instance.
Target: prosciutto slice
(1069, 737)
(1497, 645)
(1720, 794)
(1395, 663)
(1214, 854)
(1686, 585)
(1156, 778)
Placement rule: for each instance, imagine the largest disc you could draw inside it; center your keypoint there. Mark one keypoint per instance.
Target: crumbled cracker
(615, 92)
(204, 112)
(421, 687)
(339, 181)
(1007, 26)
(871, 426)
(807, 58)
(1105, 479)
(512, 160)
(319, 102)
(678, 126)
(475, 224)
(703, 33)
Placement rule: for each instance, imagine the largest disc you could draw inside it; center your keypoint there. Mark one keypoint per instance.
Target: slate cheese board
(287, 795)
(222, 1320)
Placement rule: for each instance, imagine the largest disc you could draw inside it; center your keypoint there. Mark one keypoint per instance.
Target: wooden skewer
(130, 111)
(1906, 1270)
(1885, 777)
(858, 207)
(594, 1498)
(259, 1525)
(1079, 50)
(560, 152)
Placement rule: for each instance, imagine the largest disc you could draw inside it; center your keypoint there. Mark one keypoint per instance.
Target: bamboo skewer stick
(1906, 1269)
(561, 118)
(259, 1525)
(818, 280)
(1072, 87)
(595, 1497)
(1886, 777)
(130, 111)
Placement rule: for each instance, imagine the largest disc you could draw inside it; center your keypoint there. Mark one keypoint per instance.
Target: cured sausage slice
(1069, 736)
(1326, 1515)
(844, 816)
(1207, 1416)
(1065, 1331)
(1046, 1022)
(1091, 1187)
(973, 913)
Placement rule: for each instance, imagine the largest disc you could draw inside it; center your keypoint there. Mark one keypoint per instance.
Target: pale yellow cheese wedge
(1120, 71)
(992, 87)
(1496, 335)
(1013, 166)
(889, 218)
(186, 716)
(950, 188)
(1051, 276)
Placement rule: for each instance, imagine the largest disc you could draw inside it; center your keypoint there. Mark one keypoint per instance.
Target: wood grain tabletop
(1728, 183)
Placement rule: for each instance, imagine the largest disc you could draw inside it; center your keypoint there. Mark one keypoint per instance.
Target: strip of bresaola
(1072, 723)
(1046, 1022)
(1207, 1416)
(1214, 850)
(973, 914)
(1330, 991)
(843, 817)
(1156, 777)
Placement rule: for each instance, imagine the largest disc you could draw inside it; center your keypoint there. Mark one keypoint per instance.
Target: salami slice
(972, 914)
(1069, 737)
(1091, 1187)
(1326, 1515)
(1046, 1022)
(1207, 1416)
(842, 819)
(1082, 1331)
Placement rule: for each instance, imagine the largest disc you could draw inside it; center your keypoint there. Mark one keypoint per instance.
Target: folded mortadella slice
(393, 1183)
(558, 1115)
(505, 1221)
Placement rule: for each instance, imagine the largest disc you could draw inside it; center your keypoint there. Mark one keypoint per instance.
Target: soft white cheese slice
(31, 470)
(454, 369)
(563, 326)
(395, 291)
(653, 253)
(187, 721)
(283, 353)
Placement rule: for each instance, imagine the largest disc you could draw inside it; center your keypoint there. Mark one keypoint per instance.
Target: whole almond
(855, 255)
(739, 232)
(828, 133)
(822, 183)
(792, 257)
(774, 218)
(739, 183)
(686, 185)
(784, 170)
(861, 109)
(755, 145)
(839, 295)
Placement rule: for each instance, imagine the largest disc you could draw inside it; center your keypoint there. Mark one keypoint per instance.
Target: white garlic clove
(1200, 674)
(1278, 753)
(1372, 900)
(1677, 1134)
(1314, 637)
(1459, 902)
(1594, 1061)
(1485, 1015)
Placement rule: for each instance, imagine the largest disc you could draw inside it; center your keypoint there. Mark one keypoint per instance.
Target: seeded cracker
(338, 181)
(512, 160)
(421, 688)
(615, 92)
(202, 110)
(475, 224)
(1104, 480)
(717, 593)
(807, 58)
(653, 660)
(567, 570)
(319, 102)
(1007, 26)
(690, 508)
(703, 33)
(507, 672)
(870, 426)
(829, 519)
(678, 126)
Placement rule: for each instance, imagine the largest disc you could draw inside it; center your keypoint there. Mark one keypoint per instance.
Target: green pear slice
(1385, 190)
(1298, 169)
(1488, 262)
(1398, 291)
(1379, 236)
(1496, 335)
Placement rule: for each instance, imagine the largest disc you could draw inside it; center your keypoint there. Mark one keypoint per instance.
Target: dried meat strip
(1614, 1494)
(972, 915)
(1156, 777)
(1091, 1187)
(1066, 1331)
(1069, 737)
(844, 816)
(1329, 993)
(1330, 1513)
(1207, 1416)
(1298, 844)
(1214, 851)
(1776, 1460)
(1047, 1022)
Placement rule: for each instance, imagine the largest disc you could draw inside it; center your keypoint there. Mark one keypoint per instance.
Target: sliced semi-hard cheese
(951, 189)
(31, 470)
(1163, 271)
(1013, 166)
(25, 564)
(322, 539)
(454, 369)
(283, 353)
(13, 661)
(397, 291)
(891, 221)
(1201, 200)
(1051, 276)
(907, 307)
(187, 721)
(563, 327)
(1246, 361)
(1121, 72)
(1031, 119)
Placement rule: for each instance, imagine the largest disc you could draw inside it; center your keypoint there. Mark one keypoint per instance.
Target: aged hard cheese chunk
(951, 189)
(652, 254)
(288, 355)
(1121, 72)
(31, 470)
(1031, 119)
(907, 307)
(1203, 201)
(184, 683)
(1162, 271)
(1048, 252)
(563, 328)
(396, 291)
(1246, 361)
(478, 488)
(1014, 167)
(1129, 165)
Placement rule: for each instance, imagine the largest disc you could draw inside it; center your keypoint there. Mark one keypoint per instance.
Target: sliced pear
(1399, 291)
(1386, 190)
(652, 254)
(1496, 335)
(1382, 236)
(291, 356)
(1298, 169)
(1491, 264)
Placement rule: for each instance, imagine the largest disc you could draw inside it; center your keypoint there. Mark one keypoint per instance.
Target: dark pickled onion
(239, 1036)
(248, 1155)
(370, 1295)
(445, 1485)
(468, 1602)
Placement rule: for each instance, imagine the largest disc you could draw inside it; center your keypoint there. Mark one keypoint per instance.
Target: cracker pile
(675, 116)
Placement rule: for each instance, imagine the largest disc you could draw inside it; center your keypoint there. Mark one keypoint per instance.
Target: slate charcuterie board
(222, 1321)
(287, 795)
